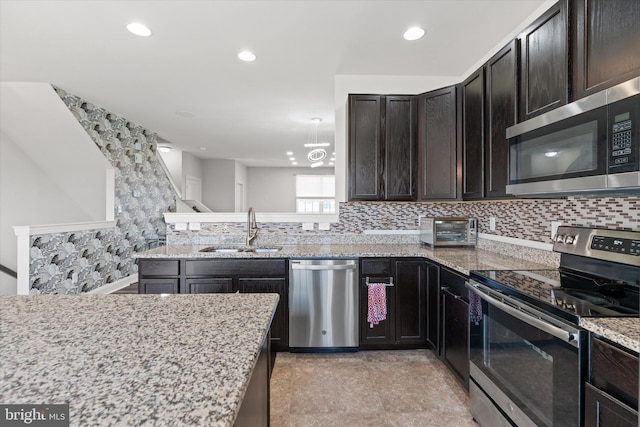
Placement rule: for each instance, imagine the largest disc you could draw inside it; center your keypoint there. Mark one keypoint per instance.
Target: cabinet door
(602, 410)
(437, 145)
(411, 302)
(381, 335)
(544, 62)
(213, 285)
(606, 42)
(473, 136)
(365, 150)
(399, 148)
(501, 90)
(280, 323)
(158, 286)
(433, 304)
(455, 330)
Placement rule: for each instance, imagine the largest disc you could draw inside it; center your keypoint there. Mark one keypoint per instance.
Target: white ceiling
(253, 112)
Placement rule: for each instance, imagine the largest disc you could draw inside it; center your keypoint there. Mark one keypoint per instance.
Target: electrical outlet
(420, 219)
(324, 226)
(180, 226)
(492, 223)
(307, 226)
(554, 228)
(194, 226)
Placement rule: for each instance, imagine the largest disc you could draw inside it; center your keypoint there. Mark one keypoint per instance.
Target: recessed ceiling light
(164, 148)
(139, 29)
(551, 153)
(317, 144)
(246, 56)
(292, 158)
(289, 153)
(316, 164)
(413, 33)
(330, 163)
(203, 148)
(332, 159)
(316, 120)
(294, 163)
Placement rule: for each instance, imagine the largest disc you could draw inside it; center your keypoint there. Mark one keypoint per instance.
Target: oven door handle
(537, 320)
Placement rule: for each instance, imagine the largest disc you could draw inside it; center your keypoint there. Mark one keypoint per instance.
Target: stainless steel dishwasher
(323, 304)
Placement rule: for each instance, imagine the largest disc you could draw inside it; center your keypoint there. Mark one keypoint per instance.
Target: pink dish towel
(475, 308)
(377, 297)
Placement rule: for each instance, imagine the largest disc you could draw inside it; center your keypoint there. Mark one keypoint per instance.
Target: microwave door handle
(570, 337)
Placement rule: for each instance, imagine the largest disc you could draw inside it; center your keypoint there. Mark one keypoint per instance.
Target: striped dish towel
(377, 297)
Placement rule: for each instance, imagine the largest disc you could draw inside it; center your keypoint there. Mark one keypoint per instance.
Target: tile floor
(367, 388)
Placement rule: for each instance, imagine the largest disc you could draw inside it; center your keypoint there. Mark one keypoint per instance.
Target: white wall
(51, 172)
(218, 184)
(274, 189)
(241, 199)
(391, 85)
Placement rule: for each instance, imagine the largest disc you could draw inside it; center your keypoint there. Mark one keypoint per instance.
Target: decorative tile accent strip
(70, 263)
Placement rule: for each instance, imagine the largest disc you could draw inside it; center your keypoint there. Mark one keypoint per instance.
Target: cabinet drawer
(455, 283)
(614, 371)
(236, 267)
(153, 267)
(600, 409)
(375, 266)
(158, 286)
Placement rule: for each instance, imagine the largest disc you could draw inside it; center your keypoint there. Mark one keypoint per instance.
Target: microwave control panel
(623, 137)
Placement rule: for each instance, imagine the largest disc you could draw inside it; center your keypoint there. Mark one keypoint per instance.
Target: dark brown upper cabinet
(544, 63)
(501, 112)
(439, 169)
(382, 147)
(473, 135)
(605, 43)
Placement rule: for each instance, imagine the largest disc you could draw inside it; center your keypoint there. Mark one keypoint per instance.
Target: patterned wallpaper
(70, 263)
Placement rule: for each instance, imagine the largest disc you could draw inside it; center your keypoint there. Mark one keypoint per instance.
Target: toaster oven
(448, 231)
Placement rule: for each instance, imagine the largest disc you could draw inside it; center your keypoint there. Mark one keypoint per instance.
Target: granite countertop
(622, 330)
(462, 260)
(129, 360)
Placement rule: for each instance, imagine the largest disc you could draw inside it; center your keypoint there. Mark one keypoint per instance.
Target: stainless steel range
(528, 354)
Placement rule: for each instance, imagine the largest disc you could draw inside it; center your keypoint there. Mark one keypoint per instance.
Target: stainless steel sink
(265, 249)
(222, 249)
(234, 249)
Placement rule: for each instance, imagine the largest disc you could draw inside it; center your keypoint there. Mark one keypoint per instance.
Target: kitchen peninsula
(122, 360)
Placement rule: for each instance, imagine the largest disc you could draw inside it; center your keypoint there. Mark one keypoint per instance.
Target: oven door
(528, 364)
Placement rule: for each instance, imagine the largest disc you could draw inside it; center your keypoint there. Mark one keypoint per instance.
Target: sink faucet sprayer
(252, 226)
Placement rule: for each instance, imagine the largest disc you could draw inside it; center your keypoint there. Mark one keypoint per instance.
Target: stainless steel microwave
(448, 231)
(589, 146)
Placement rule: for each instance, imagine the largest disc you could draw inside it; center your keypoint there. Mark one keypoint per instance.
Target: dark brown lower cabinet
(205, 276)
(280, 323)
(611, 396)
(454, 310)
(158, 286)
(405, 326)
(432, 273)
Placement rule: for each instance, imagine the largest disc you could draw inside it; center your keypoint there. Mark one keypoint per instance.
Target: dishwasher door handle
(298, 266)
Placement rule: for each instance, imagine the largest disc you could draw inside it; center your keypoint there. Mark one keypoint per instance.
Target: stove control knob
(560, 238)
(569, 240)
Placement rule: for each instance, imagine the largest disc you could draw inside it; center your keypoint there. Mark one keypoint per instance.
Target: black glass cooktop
(565, 294)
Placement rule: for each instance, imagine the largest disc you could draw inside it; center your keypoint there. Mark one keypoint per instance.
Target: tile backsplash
(528, 219)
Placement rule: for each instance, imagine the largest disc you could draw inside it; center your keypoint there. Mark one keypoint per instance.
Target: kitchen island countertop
(621, 330)
(462, 260)
(127, 360)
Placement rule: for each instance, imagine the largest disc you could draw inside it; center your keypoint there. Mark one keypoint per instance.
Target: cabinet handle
(388, 285)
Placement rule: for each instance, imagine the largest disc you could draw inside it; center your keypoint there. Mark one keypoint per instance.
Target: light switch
(554, 228)
(180, 226)
(324, 226)
(194, 226)
(492, 223)
(307, 226)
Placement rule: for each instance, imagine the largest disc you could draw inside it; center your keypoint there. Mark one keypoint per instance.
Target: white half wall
(274, 189)
(383, 85)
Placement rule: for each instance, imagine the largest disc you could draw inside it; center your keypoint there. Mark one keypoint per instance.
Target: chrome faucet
(252, 226)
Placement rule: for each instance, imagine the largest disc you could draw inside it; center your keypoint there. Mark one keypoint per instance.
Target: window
(315, 193)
